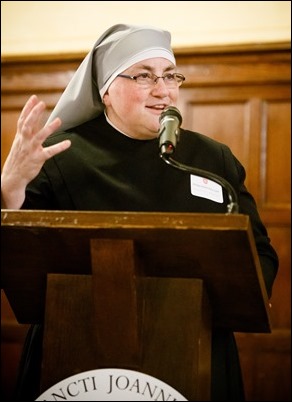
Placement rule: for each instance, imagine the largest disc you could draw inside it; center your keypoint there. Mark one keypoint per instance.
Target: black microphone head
(171, 111)
(170, 121)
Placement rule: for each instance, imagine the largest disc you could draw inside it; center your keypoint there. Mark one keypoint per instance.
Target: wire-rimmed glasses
(171, 80)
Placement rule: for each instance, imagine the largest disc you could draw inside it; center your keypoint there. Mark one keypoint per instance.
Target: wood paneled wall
(239, 95)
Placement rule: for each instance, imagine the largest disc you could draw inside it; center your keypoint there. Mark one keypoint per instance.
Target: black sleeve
(48, 191)
(267, 254)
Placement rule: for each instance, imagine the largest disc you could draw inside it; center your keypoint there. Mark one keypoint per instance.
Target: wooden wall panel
(281, 297)
(276, 142)
(266, 365)
(239, 95)
(225, 120)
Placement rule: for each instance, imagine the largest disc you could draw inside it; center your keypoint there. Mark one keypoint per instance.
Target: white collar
(111, 124)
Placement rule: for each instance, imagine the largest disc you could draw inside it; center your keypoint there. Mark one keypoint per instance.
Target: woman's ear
(105, 99)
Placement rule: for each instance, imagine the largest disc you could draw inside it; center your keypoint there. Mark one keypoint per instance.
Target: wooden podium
(130, 290)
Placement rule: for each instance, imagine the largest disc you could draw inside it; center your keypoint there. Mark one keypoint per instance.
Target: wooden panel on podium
(133, 290)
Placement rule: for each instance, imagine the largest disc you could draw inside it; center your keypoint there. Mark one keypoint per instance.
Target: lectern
(139, 291)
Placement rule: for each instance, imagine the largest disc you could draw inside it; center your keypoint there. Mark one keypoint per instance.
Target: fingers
(31, 119)
(56, 148)
(28, 107)
(46, 131)
(31, 132)
(29, 128)
(32, 101)
(27, 154)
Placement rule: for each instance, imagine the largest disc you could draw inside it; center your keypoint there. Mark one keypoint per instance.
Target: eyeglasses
(147, 80)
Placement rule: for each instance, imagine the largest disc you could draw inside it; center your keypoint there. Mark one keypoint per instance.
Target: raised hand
(27, 154)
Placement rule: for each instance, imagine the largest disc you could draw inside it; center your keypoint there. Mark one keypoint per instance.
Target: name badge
(205, 188)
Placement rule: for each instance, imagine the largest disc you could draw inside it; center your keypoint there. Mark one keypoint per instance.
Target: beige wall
(44, 27)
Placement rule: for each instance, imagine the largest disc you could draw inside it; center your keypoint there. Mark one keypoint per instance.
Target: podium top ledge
(122, 219)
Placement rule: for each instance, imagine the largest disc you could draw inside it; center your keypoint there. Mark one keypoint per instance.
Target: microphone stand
(232, 207)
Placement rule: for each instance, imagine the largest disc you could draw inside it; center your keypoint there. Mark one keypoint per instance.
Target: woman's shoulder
(199, 139)
(83, 130)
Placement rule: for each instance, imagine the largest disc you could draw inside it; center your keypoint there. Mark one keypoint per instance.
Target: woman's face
(135, 109)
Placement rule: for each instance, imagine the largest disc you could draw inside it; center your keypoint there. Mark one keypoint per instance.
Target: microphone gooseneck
(170, 121)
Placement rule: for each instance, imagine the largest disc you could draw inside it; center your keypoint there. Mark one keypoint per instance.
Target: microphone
(170, 121)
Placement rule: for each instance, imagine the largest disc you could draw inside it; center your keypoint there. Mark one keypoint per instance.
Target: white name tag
(205, 188)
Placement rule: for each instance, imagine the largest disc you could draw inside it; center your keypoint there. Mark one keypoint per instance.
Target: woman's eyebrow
(150, 68)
